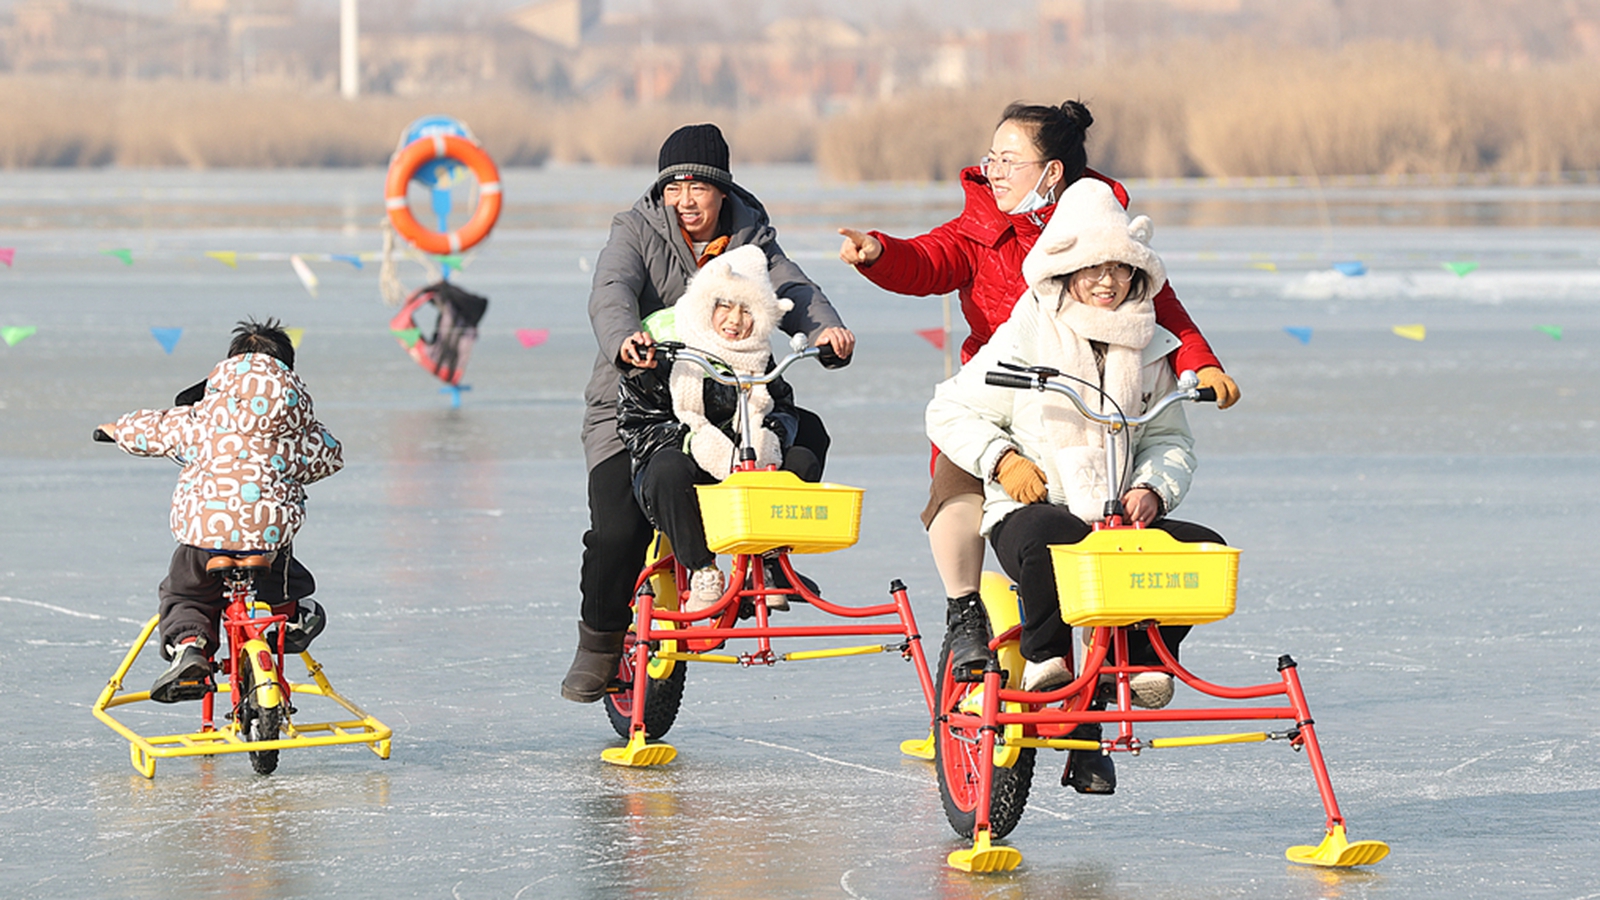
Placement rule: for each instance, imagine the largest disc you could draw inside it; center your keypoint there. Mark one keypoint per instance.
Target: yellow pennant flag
(295, 334)
(307, 277)
(1265, 266)
(228, 258)
(1411, 332)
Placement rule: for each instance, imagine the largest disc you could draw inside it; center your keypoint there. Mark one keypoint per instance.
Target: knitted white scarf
(1064, 343)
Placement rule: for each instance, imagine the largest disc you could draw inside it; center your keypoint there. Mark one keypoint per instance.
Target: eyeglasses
(996, 167)
(1121, 273)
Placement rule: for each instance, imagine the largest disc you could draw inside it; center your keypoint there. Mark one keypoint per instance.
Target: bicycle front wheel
(662, 698)
(258, 723)
(958, 759)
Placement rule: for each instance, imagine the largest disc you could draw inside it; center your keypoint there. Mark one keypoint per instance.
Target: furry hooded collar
(1103, 347)
(739, 275)
(1088, 228)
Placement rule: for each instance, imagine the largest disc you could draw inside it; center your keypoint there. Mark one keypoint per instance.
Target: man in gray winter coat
(693, 213)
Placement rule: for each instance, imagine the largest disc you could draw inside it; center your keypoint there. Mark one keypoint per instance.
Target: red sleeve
(1195, 354)
(933, 263)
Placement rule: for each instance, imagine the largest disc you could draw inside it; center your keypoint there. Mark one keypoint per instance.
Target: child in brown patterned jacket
(248, 445)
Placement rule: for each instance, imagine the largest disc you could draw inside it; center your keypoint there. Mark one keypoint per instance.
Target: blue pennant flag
(167, 337)
(1352, 268)
(1303, 335)
(350, 258)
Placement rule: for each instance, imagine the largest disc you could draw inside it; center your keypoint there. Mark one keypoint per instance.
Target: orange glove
(1020, 478)
(1218, 380)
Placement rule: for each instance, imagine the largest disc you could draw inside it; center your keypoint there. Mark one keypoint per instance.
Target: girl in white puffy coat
(1087, 313)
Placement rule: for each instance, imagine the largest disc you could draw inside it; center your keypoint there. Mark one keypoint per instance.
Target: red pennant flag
(532, 337)
(934, 336)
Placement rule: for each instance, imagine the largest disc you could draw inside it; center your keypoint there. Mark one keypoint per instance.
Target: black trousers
(192, 600)
(1022, 542)
(619, 532)
(665, 489)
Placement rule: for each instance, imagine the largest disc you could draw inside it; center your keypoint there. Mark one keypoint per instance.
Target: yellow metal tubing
(144, 750)
(1053, 743)
(1207, 740)
(700, 657)
(799, 655)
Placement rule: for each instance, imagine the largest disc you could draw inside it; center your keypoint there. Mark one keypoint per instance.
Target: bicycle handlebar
(1038, 378)
(722, 372)
(1008, 379)
(100, 436)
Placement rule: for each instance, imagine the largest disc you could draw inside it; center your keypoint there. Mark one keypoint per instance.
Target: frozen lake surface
(1416, 520)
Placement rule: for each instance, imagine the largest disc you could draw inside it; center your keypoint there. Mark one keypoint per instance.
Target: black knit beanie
(695, 153)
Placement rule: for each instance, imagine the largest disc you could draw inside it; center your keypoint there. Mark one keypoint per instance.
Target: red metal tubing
(986, 737)
(748, 631)
(1200, 684)
(902, 601)
(1308, 734)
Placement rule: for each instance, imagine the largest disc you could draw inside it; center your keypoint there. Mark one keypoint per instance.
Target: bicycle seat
(250, 562)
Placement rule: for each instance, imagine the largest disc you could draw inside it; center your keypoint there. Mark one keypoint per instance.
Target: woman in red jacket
(1036, 152)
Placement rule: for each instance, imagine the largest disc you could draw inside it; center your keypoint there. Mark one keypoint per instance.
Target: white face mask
(1035, 201)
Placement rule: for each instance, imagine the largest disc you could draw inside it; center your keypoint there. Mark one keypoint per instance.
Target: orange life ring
(411, 158)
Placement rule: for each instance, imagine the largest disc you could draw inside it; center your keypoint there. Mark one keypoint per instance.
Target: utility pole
(349, 43)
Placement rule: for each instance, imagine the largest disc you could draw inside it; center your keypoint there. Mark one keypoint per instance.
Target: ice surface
(1416, 520)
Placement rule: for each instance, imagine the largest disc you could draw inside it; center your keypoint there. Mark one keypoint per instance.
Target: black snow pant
(665, 490)
(192, 600)
(1022, 545)
(619, 533)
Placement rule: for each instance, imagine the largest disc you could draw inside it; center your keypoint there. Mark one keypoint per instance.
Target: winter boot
(776, 579)
(967, 626)
(306, 621)
(188, 678)
(599, 654)
(1089, 771)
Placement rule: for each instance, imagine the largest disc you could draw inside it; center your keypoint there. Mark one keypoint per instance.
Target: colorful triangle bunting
(228, 258)
(1552, 330)
(934, 336)
(1303, 335)
(295, 334)
(7, 254)
(15, 334)
(532, 337)
(123, 254)
(1351, 269)
(1411, 332)
(1461, 269)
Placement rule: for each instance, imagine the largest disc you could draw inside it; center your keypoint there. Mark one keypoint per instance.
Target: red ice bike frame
(645, 697)
(985, 734)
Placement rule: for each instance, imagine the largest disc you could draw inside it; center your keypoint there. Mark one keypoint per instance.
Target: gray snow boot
(594, 665)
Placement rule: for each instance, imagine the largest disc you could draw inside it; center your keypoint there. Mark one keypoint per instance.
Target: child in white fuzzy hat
(681, 427)
(1088, 314)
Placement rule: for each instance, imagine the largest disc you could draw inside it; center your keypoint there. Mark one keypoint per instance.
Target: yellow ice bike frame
(257, 685)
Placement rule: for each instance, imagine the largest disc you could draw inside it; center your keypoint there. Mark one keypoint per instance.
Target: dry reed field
(1231, 110)
(1240, 110)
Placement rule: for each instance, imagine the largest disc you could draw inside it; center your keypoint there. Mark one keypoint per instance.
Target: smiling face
(1105, 286)
(1016, 166)
(698, 204)
(731, 321)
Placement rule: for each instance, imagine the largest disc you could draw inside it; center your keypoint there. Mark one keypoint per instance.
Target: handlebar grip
(101, 436)
(1206, 395)
(1008, 379)
(831, 359)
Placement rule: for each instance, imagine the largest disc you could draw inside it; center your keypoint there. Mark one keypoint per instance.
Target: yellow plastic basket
(753, 512)
(1120, 576)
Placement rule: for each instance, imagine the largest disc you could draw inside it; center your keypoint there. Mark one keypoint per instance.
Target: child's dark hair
(263, 337)
(1059, 132)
